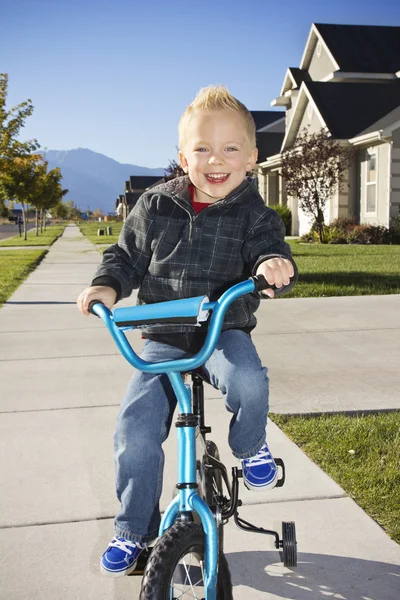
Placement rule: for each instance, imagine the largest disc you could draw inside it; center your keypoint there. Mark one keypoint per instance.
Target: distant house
(134, 188)
(348, 82)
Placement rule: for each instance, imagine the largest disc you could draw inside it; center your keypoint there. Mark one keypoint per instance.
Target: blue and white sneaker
(120, 558)
(260, 471)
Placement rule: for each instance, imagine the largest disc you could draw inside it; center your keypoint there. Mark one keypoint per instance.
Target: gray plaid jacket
(169, 252)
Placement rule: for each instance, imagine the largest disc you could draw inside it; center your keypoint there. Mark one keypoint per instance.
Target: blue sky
(115, 75)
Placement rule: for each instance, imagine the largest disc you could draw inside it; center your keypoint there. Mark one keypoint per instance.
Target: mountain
(93, 180)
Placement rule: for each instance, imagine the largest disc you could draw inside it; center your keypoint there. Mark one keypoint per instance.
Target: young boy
(194, 235)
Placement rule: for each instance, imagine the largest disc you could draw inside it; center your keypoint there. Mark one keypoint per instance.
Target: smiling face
(216, 153)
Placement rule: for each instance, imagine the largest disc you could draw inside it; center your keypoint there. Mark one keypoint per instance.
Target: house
(348, 82)
(134, 188)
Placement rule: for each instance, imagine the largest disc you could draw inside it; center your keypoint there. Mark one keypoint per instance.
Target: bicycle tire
(163, 574)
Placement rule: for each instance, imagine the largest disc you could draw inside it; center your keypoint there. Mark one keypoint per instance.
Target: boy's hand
(277, 271)
(107, 295)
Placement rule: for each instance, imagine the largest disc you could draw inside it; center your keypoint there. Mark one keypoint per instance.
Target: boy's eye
(231, 149)
(201, 150)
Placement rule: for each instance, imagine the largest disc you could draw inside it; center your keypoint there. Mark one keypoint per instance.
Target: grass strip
(348, 270)
(46, 238)
(90, 231)
(361, 453)
(15, 266)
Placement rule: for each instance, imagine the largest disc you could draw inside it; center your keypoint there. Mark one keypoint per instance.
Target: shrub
(286, 215)
(310, 237)
(369, 234)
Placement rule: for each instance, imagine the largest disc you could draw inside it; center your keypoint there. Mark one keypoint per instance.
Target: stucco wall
(313, 124)
(320, 66)
(395, 175)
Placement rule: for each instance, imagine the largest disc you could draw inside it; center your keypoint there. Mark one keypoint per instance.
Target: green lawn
(348, 270)
(90, 230)
(46, 238)
(15, 266)
(361, 453)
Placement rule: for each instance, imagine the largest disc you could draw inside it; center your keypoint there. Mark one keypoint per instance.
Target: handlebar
(167, 310)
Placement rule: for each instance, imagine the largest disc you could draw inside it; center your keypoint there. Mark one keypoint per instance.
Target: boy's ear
(183, 162)
(251, 162)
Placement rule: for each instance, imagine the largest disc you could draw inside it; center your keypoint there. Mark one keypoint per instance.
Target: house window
(371, 181)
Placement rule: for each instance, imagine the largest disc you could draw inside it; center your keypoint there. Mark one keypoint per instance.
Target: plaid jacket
(169, 252)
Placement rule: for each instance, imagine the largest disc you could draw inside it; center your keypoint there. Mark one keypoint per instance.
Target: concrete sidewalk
(61, 382)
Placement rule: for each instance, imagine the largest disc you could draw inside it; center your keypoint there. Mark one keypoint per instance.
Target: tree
(20, 179)
(11, 122)
(173, 170)
(60, 211)
(314, 169)
(97, 213)
(46, 191)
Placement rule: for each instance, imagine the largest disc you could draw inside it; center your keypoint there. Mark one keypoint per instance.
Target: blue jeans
(145, 418)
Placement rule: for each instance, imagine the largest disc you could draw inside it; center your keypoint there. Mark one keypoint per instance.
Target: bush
(369, 234)
(346, 231)
(310, 237)
(286, 215)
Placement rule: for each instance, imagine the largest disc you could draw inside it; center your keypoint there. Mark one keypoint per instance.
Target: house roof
(350, 108)
(142, 182)
(266, 117)
(268, 144)
(363, 48)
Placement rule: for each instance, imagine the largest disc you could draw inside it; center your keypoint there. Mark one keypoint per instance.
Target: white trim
(270, 125)
(343, 75)
(281, 101)
(371, 151)
(271, 161)
(288, 75)
(389, 182)
(364, 139)
(304, 91)
(308, 51)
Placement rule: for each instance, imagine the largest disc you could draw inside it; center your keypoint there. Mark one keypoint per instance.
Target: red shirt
(198, 206)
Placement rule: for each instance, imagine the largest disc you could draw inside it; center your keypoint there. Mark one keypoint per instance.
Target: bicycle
(192, 526)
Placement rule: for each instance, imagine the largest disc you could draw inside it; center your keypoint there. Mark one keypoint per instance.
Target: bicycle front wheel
(175, 568)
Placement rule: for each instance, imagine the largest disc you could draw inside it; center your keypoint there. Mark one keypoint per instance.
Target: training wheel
(289, 544)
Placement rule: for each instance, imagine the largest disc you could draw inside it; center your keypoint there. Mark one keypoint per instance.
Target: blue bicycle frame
(187, 499)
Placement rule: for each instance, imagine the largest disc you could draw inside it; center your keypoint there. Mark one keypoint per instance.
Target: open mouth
(217, 178)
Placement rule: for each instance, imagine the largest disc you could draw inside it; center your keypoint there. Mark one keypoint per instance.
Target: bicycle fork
(188, 499)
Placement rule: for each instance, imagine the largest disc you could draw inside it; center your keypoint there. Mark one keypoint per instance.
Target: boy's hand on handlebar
(105, 294)
(277, 271)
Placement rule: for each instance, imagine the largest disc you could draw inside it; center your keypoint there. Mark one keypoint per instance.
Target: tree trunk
(37, 223)
(24, 220)
(320, 224)
(41, 220)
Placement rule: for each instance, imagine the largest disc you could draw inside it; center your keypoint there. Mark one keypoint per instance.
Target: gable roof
(345, 109)
(266, 117)
(294, 78)
(349, 108)
(363, 48)
(268, 144)
(142, 182)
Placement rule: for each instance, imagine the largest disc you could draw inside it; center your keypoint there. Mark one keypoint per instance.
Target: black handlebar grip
(261, 283)
(91, 304)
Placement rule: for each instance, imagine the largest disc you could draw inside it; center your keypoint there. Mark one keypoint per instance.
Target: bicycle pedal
(141, 563)
(279, 463)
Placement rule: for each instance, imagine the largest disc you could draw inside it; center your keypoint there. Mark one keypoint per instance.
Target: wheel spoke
(187, 589)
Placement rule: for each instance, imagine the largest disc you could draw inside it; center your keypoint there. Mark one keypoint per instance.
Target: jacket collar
(178, 189)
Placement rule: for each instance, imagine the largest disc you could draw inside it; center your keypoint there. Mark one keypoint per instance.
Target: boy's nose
(215, 160)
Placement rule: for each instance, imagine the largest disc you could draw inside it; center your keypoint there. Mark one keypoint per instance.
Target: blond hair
(217, 97)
